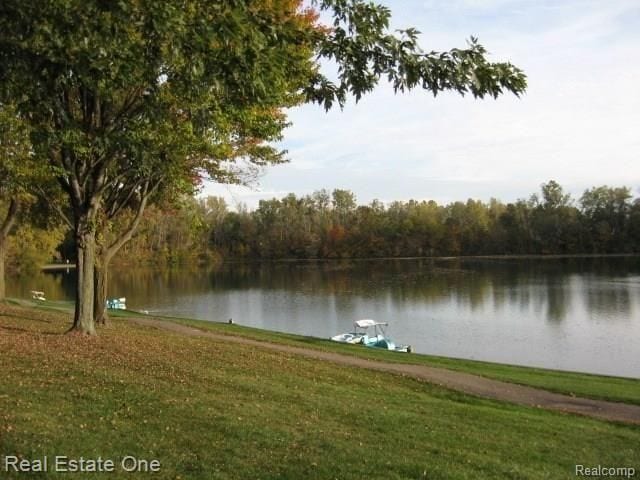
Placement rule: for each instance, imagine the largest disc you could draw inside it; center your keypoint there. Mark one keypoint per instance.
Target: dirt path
(461, 382)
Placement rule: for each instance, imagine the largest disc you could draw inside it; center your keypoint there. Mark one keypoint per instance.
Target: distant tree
(214, 211)
(431, 227)
(555, 221)
(455, 223)
(516, 221)
(322, 202)
(634, 227)
(344, 203)
(497, 237)
(553, 196)
(370, 229)
(606, 213)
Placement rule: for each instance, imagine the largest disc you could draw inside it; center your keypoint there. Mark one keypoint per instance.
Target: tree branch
(55, 206)
(119, 198)
(133, 225)
(10, 218)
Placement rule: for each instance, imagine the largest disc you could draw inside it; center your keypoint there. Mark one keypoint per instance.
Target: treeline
(34, 241)
(603, 220)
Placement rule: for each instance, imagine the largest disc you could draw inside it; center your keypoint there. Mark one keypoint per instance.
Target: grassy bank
(212, 410)
(616, 389)
(579, 384)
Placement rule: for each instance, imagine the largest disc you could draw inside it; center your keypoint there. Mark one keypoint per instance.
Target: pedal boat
(370, 333)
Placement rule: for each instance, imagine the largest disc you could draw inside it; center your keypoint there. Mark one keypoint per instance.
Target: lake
(580, 314)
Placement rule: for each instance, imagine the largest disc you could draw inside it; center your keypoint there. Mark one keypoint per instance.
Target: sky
(578, 123)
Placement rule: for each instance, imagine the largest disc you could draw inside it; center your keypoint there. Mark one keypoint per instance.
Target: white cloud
(577, 123)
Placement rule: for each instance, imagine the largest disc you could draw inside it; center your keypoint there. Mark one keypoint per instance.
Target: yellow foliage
(30, 247)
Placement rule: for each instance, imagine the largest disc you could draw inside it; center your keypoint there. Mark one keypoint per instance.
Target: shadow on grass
(24, 330)
(24, 317)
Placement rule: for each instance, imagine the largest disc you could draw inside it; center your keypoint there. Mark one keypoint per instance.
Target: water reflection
(55, 285)
(611, 299)
(577, 313)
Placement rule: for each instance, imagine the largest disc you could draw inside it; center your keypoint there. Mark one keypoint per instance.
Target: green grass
(579, 384)
(616, 389)
(212, 410)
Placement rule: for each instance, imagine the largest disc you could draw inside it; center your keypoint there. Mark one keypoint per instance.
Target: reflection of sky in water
(573, 314)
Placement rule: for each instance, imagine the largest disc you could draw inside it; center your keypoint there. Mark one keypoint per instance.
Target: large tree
(99, 80)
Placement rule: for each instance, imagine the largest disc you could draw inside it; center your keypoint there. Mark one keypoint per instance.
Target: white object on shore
(370, 333)
(37, 295)
(117, 303)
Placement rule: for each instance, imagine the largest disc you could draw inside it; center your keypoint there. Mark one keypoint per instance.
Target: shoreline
(554, 380)
(551, 256)
(503, 376)
(50, 267)
(282, 337)
(554, 256)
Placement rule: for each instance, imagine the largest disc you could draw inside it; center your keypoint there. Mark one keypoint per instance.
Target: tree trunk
(2, 281)
(83, 321)
(100, 280)
(106, 253)
(5, 228)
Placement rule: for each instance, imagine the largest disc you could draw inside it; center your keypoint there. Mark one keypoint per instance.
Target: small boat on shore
(38, 295)
(117, 303)
(370, 333)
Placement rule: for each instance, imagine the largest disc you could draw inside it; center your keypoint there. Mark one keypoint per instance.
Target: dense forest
(603, 220)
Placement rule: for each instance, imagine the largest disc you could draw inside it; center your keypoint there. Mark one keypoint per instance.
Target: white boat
(370, 333)
(117, 303)
(37, 295)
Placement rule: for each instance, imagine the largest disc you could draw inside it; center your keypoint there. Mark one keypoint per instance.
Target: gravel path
(458, 381)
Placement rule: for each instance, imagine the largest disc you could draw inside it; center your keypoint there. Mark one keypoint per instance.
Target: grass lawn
(210, 410)
(616, 389)
(601, 387)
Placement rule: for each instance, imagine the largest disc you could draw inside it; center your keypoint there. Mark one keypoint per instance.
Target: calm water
(569, 314)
